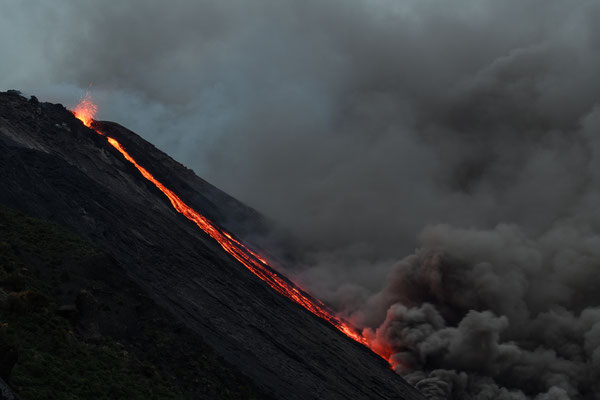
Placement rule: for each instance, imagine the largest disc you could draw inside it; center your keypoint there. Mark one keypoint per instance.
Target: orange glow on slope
(256, 264)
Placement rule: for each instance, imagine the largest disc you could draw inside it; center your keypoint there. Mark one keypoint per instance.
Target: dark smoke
(495, 314)
(473, 126)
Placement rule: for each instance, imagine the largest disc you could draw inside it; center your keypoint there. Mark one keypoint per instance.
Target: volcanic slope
(55, 168)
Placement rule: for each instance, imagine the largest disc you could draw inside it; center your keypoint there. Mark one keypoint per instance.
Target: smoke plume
(461, 138)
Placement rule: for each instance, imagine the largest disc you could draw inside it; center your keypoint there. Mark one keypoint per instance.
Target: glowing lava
(86, 110)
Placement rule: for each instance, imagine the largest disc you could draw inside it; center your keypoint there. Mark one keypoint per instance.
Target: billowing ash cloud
(472, 126)
(484, 313)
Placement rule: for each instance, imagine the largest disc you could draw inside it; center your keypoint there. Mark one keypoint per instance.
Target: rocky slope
(74, 326)
(55, 168)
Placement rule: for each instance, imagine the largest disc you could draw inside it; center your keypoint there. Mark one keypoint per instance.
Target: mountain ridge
(58, 169)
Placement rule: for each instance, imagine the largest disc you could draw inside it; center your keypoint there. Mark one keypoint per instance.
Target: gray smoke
(467, 130)
(495, 314)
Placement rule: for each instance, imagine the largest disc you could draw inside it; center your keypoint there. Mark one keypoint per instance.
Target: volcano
(58, 169)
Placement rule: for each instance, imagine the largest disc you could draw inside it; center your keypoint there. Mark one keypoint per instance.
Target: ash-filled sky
(442, 156)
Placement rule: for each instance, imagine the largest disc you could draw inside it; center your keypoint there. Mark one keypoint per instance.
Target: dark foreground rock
(6, 392)
(74, 326)
(55, 168)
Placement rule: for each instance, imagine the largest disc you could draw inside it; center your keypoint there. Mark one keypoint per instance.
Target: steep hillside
(74, 326)
(56, 168)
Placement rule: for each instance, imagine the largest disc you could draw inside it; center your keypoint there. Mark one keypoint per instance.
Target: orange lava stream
(85, 111)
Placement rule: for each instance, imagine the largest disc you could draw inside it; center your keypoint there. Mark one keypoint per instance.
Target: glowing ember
(258, 266)
(86, 110)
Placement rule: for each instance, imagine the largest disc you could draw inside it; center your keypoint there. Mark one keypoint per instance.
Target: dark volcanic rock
(55, 168)
(6, 393)
(8, 359)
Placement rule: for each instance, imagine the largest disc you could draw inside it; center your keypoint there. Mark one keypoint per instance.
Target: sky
(439, 158)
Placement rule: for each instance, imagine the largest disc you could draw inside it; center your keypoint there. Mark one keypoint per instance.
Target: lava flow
(85, 112)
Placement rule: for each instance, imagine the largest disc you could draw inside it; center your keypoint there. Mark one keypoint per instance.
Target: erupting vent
(85, 111)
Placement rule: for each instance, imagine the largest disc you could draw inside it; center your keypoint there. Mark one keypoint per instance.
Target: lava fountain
(86, 110)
